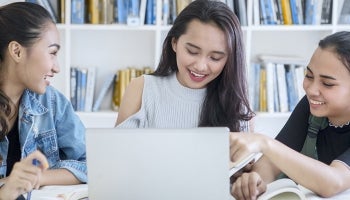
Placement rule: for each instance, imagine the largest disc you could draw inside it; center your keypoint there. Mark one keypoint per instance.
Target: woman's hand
(244, 144)
(24, 176)
(248, 186)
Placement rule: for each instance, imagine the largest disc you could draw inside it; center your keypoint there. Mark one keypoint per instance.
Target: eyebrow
(55, 45)
(322, 76)
(194, 46)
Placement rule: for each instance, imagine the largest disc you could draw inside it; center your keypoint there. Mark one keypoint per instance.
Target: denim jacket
(47, 122)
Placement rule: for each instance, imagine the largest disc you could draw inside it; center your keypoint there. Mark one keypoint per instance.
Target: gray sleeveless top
(166, 104)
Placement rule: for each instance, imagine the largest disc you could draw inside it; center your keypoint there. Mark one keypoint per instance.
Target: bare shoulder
(132, 98)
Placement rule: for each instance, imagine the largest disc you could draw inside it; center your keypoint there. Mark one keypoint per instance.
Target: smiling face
(201, 54)
(327, 86)
(39, 62)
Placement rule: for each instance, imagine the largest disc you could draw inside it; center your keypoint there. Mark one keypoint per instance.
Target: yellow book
(181, 4)
(286, 12)
(94, 11)
(62, 11)
(263, 92)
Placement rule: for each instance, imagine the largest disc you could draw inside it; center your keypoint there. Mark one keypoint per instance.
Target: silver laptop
(158, 164)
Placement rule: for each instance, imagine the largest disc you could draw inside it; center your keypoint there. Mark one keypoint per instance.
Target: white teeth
(316, 102)
(197, 75)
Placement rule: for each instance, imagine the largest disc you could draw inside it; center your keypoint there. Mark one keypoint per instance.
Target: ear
(173, 44)
(15, 50)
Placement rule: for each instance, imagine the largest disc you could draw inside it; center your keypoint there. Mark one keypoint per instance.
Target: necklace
(338, 126)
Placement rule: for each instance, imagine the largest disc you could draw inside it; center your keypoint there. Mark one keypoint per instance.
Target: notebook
(158, 164)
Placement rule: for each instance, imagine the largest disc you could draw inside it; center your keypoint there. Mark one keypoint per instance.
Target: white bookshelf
(112, 47)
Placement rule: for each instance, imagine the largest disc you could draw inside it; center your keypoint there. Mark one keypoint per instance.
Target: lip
(316, 104)
(47, 79)
(194, 76)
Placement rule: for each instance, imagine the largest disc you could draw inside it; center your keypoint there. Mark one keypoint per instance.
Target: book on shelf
(107, 84)
(240, 8)
(94, 8)
(142, 14)
(344, 15)
(122, 80)
(313, 9)
(181, 4)
(133, 17)
(296, 11)
(286, 12)
(282, 87)
(82, 88)
(61, 192)
(270, 85)
(326, 14)
(78, 11)
(122, 11)
(277, 83)
(90, 88)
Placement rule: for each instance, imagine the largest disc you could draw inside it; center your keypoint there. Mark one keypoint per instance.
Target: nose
(311, 87)
(55, 68)
(201, 64)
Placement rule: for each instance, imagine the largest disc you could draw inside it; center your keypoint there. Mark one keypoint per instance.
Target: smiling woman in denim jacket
(33, 115)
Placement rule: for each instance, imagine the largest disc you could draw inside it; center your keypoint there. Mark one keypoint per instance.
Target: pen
(34, 162)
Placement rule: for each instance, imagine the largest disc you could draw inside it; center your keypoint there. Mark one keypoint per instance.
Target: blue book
(78, 12)
(291, 87)
(310, 11)
(149, 12)
(263, 14)
(294, 12)
(82, 91)
(73, 87)
(123, 8)
(270, 12)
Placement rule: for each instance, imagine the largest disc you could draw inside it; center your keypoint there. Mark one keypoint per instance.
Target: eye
(328, 84)
(54, 53)
(215, 58)
(191, 52)
(308, 76)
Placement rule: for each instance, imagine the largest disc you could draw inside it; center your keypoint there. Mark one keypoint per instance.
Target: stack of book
(277, 83)
(123, 79)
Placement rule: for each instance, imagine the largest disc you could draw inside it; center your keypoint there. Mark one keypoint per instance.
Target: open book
(61, 192)
(285, 189)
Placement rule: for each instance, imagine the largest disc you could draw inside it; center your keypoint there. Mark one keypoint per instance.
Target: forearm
(266, 169)
(58, 177)
(320, 178)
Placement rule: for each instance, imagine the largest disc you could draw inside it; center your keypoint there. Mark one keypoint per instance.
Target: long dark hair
(22, 22)
(338, 42)
(226, 102)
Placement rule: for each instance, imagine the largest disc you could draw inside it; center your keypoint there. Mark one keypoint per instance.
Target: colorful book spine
(78, 12)
(286, 12)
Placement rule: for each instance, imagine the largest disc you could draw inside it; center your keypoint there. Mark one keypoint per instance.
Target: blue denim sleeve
(71, 139)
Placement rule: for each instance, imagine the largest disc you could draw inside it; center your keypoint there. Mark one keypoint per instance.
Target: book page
(61, 192)
(282, 189)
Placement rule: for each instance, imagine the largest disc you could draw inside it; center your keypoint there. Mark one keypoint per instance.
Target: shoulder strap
(315, 125)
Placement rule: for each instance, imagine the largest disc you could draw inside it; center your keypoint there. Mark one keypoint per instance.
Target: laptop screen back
(158, 164)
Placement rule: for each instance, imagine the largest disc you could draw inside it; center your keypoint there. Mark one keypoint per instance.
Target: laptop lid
(158, 164)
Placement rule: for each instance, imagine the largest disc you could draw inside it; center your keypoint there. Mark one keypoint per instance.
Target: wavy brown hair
(226, 102)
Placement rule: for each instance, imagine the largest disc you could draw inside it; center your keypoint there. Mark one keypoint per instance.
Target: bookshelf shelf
(110, 47)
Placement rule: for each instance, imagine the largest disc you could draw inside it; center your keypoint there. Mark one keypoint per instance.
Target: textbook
(284, 188)
(61, 192)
